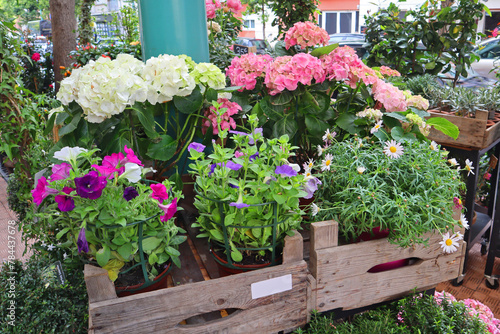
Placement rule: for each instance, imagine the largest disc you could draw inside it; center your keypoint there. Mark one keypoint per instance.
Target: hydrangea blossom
(105, 87)
(306, 34)
(286, 72)
(390, 96)
(245, 70)
(234, 5)
(370, 113)
(231, 108)
(389, 72)
(167, 76)
(212, 6)
(209, 75)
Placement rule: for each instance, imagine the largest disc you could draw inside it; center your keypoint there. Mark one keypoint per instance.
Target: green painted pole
(174, 27)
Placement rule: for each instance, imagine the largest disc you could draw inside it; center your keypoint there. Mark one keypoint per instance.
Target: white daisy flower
(320, 150)
(464, 221)
(453, 162)
(377, 126)
(449, 243)
(327, 162)
(434, 146)
(314, 209)
(361, 169)
(393, 149)
(459, 236)
(308, 165)
(328, 136)
(468, 167)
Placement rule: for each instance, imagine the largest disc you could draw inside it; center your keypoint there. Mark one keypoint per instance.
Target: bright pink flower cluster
(286, 72)
(484, 313)
(245, 70)
(389, 72)
(343, 64)
(390, 96)
(227, 121)
(234, 5)
(212, 6)
(306, 34)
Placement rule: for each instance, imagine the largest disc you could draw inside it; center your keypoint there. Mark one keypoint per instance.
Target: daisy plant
(101, 210)
(248, 193)
(406, 188)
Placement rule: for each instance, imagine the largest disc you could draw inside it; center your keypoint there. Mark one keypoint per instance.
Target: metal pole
(174, 27)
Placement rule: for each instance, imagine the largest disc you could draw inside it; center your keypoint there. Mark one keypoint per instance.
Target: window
(339, 22)
(249, 24)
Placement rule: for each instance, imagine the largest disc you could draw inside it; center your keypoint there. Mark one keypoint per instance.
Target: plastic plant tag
(53, 274)
(271, 286)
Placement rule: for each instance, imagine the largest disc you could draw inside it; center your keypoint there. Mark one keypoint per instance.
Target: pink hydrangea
(227, 121)
(306, 34)
(245, 70)
(234, 5)
(418, 101)
(484, 313)
(343, 64)
(389, 72)
(390, 96)
(286, 72)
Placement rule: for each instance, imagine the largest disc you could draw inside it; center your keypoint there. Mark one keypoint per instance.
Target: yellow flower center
(310, 165)
(328, 162)
(393, 149)
(459, 201)
(448, 242)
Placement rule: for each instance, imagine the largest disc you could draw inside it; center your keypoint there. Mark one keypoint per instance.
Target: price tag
(240, 49)
(271, 286)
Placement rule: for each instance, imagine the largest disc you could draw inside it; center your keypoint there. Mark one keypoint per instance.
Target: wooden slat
(324, 234)
(294, 250)
(492, 134)
(99, 286)
(343, 280)
(161, 311)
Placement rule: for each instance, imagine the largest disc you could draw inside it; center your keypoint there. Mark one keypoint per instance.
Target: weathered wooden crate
(164, 310)
(343, 280)
(474, 132)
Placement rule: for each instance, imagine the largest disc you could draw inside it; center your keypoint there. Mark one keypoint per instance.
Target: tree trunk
(63, 34)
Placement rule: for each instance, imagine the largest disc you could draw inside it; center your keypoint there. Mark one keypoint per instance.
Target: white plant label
(271, 286)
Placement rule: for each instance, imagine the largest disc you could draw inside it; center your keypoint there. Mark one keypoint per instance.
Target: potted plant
(247, 195)
(101, 210)
(401, 189)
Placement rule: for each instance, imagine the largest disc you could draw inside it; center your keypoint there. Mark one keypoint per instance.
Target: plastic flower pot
(159, 282)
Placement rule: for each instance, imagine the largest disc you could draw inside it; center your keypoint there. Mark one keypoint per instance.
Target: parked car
(489, 64)
(473, 80)
(262, 45)
(344, 37)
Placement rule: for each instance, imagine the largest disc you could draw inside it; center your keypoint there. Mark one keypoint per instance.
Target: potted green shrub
(247, 196)
(101, 210)
(403, 189)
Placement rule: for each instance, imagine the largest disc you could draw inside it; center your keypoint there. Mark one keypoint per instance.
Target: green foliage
(412, 314)
(37, 75)
(127, 23)
(26, 10)
(85, 22)
(445, 35)
(409, 195)
(85, 53)
(252, 183)
(41, 307)
(289, 12)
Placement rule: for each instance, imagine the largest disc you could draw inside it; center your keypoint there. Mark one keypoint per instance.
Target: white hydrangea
(105, 87)
(68, 90)
(167, 76)
(371, 113)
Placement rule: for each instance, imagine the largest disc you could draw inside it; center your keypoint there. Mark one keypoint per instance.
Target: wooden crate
(164, 310)
(343, 280)
(474, 132)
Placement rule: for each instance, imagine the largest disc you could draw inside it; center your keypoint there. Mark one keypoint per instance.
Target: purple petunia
(285, 170)
(196, 146)
(229, 164)
(83, 245)
(90, 185)
(130, 193)
(251, 140)
(253, 156)
(311, 186)
(65, 203)
(239, 205)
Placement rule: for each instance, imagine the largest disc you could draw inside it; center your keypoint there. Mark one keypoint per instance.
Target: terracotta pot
(160, 282)
(379, 234)
(224, 270)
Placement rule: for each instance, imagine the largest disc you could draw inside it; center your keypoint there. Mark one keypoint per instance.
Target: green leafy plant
(436, 38)
(289, 12)
(104, 211)
(127, 22)
(40, 307)
(247, 190)
(406, 188)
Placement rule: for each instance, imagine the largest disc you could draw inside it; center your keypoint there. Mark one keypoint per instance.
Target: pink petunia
(42, 190)
(131, 157)
(159, 192)
(60, 171)
(169, 210)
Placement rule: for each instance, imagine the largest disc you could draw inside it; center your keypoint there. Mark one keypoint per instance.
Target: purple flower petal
(83, 245)
(232, 165)
(253, 156)
(130, 193)
(196, 146)
(65, 203)
(233, 186)
(285, 170)
(311, 186)
(212, 169)
(90, 185)
(252, 137)
(239, 205)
